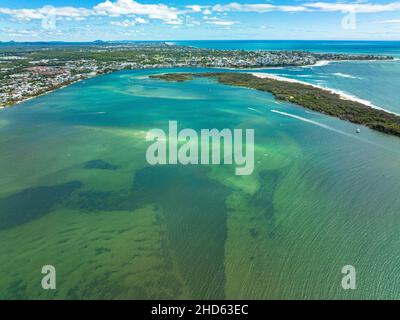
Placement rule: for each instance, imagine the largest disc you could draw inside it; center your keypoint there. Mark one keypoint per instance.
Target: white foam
(310, 121)
(343, 75)
(317, 64)
(255, 110)
(322, 63)
(324, 126)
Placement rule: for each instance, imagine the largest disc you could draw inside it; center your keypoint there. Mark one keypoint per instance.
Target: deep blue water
(368, 47)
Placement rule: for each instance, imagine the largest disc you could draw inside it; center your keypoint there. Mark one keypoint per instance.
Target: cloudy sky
(77, 20)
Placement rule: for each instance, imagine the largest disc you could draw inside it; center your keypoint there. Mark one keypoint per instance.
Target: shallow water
(76, 192)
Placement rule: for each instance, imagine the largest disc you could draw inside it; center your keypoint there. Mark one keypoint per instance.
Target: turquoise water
(76, 192)
(377, 82)
(374, 81)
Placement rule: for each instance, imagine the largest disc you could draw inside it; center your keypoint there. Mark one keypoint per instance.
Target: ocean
(377, 81)
(350, 47)
(76, 192)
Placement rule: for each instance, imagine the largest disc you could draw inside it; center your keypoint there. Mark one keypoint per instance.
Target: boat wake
(315, 123)
(324, 126)
(255, 110)
(343, 75)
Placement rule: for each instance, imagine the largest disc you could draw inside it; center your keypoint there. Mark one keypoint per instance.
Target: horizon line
(169, 40)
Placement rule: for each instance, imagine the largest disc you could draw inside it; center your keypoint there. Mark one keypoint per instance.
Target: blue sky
(77, 20)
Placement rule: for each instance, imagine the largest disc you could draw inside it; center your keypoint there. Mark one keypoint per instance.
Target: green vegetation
(28, 69)
(174, 77)
(306, 96)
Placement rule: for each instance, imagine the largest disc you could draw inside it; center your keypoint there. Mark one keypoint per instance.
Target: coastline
(320, 63)
(341, 94)
(39, 95)
(48, 92)
(310, 97)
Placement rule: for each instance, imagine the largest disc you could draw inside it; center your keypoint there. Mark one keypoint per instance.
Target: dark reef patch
(193, 210)
(263, 199)
(95, 201)
(195, 215)
(99, 164)
(102, 250)
(91, 201)
(253, 233)
(32, 203)
(17, 290)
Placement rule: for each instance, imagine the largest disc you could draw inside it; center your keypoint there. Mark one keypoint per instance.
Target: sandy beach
(343, 95)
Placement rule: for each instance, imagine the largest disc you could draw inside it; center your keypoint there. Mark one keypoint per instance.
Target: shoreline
(320, 63)
(50, 91)
(39, 95)
(321, 100)
(341, 94)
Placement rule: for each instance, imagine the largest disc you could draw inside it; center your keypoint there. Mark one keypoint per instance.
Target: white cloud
(200, 9)
(355, 7)
(67, 11)
(191, 22)
(317, 6)
(223, 22)
(22, 13)
(22, 33)
(126, 7)
(125, 23)
(174, 22)
(141, 20)
(41, 13)
(195, 8)
(107, 8)
(129, 23)
(173, 16)
(260, 7)
(219, 22)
